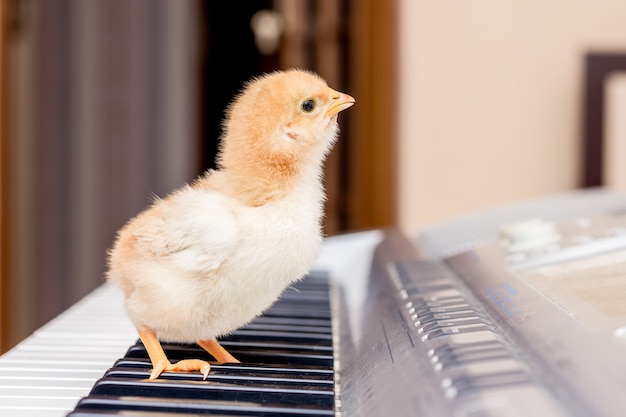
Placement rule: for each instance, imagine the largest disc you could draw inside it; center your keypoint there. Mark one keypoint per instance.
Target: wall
(490, 104)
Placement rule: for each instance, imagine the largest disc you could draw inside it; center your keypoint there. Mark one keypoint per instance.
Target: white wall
(491, 99)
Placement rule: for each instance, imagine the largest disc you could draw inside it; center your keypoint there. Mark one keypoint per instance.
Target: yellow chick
(213, 255)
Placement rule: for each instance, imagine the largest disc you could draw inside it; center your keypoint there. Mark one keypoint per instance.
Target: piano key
(469, 351)
(42, 365)
(467, 346)
(433, 317)
(303, 356)
(41, 396)
(286, 326)
(293, 311)
(285, 346)
(483, 335)
(308, 338)
(467, 384)
(216, 389)
(50, 381)
(489, 360)
(273, 371)
(131, 406)
(295, 378)
(444, 308)
(287, 368)
(29, 373)
(451, 331)
(455, 323)
(465, 352)
(46, 382)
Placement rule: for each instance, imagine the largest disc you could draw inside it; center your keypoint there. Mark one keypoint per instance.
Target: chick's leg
(217, 351)
(160, 362)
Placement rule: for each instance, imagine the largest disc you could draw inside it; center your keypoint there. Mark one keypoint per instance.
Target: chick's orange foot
(186, 365)
(159, 360)
(161, 364)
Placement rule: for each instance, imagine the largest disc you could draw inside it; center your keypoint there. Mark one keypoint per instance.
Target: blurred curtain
(105, 99)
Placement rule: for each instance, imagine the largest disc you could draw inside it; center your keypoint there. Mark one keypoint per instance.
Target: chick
(216, 253)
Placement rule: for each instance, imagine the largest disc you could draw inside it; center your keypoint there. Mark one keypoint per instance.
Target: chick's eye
(308, 105)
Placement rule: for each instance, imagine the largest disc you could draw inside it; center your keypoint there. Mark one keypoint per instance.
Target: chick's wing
(192, 231)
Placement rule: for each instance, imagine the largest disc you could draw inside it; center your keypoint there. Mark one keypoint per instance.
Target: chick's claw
(187, 365)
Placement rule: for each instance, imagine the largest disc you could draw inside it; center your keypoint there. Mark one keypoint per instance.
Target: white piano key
(39, 401)
(51, 384)
(64, 356)
(48, 347)
(47, 373)
(32, 411)
(74, 340)
(51, 365)
(35, 372)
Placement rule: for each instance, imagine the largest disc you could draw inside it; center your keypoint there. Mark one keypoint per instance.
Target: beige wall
(490, 101)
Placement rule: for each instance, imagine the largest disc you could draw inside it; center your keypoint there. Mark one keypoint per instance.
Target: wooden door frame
(361, 171)
(373, 75)
(4, 177)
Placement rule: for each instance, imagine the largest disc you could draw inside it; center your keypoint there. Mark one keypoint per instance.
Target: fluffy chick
(216, 253)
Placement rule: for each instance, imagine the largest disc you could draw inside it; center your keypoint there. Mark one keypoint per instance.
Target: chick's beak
(339, 102)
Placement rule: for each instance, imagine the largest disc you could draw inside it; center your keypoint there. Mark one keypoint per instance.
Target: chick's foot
(160, 363)
(186, 365)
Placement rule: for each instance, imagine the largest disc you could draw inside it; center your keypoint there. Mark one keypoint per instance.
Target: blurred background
(461, 105)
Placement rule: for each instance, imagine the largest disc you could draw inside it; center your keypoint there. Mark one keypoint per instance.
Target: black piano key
(288, 325)
(130, 406)
(288, 355)
(236, 377)
(293, 311)
(249, 349)
(306, 338)
(286, 370)
(269, 371)
(253, 391)
(312, 295)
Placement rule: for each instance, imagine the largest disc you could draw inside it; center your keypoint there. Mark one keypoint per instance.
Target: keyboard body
(516, 311)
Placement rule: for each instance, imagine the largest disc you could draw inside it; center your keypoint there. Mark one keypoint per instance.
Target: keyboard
(286, 370)
(49, 371)
(516, 311)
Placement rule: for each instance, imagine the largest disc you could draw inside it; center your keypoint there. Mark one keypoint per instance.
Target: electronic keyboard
(515, 311)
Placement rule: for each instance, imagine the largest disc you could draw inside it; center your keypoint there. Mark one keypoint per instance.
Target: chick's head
(282, 122)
